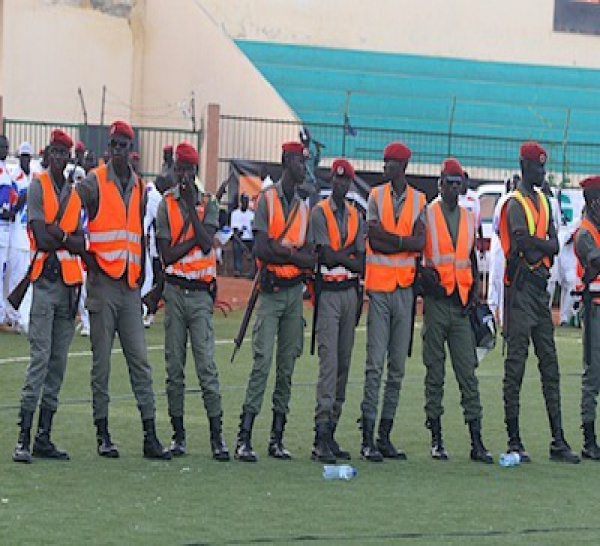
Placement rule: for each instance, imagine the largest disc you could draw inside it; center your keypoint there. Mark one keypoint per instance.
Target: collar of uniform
(400, 197)
(112, 175)
(177, 194)
(334, 206)
(523, 189)
(279, 187)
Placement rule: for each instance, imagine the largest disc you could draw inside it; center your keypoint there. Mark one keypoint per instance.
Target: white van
(488, 195)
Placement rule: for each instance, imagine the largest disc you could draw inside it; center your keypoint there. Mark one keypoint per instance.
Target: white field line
(79, 354)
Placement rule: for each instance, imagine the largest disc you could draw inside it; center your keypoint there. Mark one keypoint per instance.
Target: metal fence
(149, 141)
(485, 157)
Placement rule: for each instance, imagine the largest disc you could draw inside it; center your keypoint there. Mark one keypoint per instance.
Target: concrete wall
(488, 30)
(49, 50)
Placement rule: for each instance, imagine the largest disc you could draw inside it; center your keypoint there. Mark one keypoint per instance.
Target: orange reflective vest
(339, 273)
(70, 264)
(195, 265)
(537, 223)
(385, 272)
(452, 264)
(295, 236)
(116, 233)
(587, 225)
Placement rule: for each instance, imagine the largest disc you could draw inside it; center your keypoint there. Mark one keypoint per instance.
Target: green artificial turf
(195, 500)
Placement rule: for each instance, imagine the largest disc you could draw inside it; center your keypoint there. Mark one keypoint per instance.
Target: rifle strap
(290, 221)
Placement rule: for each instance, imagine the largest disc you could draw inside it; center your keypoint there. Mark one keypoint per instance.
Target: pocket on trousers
(300, 346)
(93, 305)
(40, 310)
(258, 336)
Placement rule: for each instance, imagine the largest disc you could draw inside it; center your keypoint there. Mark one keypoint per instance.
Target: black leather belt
(338, 286)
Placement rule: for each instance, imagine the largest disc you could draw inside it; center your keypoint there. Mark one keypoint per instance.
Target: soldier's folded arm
(172, 253)
(204, 234)
(45, 240)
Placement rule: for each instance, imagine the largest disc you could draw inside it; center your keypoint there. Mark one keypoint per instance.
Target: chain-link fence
(149, 141)
(486, 158)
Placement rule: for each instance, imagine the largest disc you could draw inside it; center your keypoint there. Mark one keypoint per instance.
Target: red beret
(293, 147)
(134, 156)
(168, 148)
(80, 146)
(451, 167)
(533, 152)
(60, 137)
(121, 128)
(186, 153)
(397, 151)
(342, 167)
(591, 183)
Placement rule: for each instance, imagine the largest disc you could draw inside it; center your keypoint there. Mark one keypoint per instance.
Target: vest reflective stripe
(385, 272)
(295, 236)
(70, 264)
(116, 233)
(195, 265)
(108, 236)
(452, 264)
(537, 222)
(587, 225)
(339, 273)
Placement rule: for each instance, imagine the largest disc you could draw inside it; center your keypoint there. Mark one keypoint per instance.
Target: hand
(326, 256)
(187, 194)
(303, 260)
(375, 230)
(55, 231)
(524, 240)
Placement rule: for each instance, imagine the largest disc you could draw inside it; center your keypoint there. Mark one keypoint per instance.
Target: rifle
(154, 295)
(247, 314)
(318, 286)
(256, 288)
(15, 298)
(413, 311)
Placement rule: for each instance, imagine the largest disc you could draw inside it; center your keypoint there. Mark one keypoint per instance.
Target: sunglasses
(120, 144)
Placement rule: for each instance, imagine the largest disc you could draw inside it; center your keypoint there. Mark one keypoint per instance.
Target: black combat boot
(177, 447)
(560, 450)
(321, 450)
(153, 449)
(384, 444)
(337, 451)
(478, 451)
(590, 447)
(21, 454)
(217, 444)
(276, 447)
(244, 451)
(438, 451)
(105, 446)
(368, 451)
(42, 445)
(514, 440)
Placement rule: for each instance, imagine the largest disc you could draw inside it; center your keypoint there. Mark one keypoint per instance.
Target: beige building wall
(488, 30)
(50, 49)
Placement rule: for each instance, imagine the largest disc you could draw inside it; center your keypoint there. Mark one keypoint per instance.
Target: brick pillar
(210, 148)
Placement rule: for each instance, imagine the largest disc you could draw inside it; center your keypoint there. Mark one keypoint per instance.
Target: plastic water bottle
(339, 472)
(510, 459)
